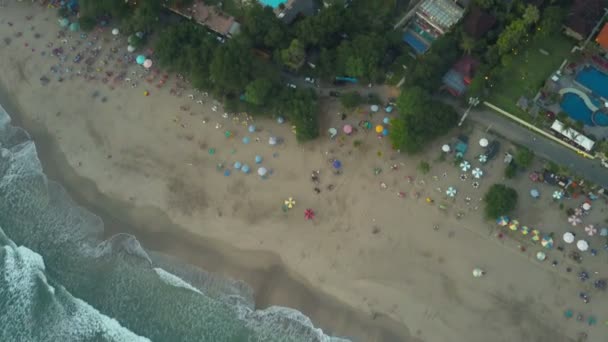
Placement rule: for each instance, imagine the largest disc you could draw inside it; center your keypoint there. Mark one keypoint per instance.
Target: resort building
(582, 18)
(602, 38)
(457, 80)
(210, 17)
(433, 19)
(573, 135)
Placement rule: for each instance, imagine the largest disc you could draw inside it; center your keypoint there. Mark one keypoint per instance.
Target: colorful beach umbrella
(534, 193)
(348, 129)
(140, 59)
(309, 214)
(379, 128)
(477, 173)
(582, 245)
(568, 237)
(547, 242)
(558, 195)
(465, 165)
(290, 203)
(451, 191)
(147, 63)
(514, 225)
(578, 211)
(483, 158)
(502, 221)
(525, 230)
(574, 220)
(590, 230)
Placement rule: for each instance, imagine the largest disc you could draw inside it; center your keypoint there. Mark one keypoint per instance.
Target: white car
(291, 85)
(310, 80)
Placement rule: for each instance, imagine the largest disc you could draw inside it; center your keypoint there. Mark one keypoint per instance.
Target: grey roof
(444, 13)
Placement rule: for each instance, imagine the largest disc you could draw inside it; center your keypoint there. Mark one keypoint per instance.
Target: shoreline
(271, 281)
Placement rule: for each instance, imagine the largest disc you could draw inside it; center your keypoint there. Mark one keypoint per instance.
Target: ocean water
(60, 281)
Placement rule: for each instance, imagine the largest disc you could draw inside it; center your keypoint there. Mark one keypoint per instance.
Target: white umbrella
(130, 48)
(541, 256)
(582, 245)
(272, 141)
(262, 171)
(477, 172)
(445, 148)
(374, 108)
(483, 158)
(483, 142)
(568, 237)
(478, 272)
(147, 63)
(586, 206)
(451, 191)
(465, 166)
(558, 194)
(115, 32)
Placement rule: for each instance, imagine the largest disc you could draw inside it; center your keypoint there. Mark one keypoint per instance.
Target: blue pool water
(413, 41)
(576, 108)
(272, 3)
(595, 80)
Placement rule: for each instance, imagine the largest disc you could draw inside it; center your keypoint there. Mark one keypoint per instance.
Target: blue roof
(455, 81)
(416, 43)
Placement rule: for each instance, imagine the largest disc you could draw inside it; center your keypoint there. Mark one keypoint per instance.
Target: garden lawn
(528, 71)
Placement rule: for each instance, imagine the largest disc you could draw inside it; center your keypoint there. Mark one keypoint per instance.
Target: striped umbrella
(514, 225)
(525, 230)
(535, 235)
(590, 230)
(547, 242)
(502, 221)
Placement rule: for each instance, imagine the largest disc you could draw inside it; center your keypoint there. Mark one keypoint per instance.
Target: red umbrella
(309, 214)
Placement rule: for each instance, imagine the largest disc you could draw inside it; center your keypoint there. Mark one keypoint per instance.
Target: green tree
(231, 66)
(420, 120)
(263, 27)
(523, 157)
(321, 30)
(485, 4)
(511, 171)
(351, 100)
(294, 56)
(258, 91)
(144, 18)
(301, 107)
(467, 44)
(531, 15)
(511, 36)
(424, 167)
(551, 21)
(118, 9)
(499, 200)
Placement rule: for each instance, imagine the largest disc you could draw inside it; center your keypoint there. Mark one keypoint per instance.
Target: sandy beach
(369, 265)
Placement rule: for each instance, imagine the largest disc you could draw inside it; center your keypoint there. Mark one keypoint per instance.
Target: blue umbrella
(337, 164)
(385, 132)
(388, 109)
(246, 140)
(227, 173)
(237, 165)
(245, 168)
(280, 120)
(534, 193)
(258, 159)
(251, 128)
(386, 120)
(140, 59)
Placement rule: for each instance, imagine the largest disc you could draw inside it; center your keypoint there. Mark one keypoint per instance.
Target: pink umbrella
(147, 63)
(348, 129)
(590, 230)
(578, 211)
(574, 220)
(309, 214)
(586, 206)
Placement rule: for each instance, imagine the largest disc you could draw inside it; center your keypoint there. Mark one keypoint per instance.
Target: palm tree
(467, 44)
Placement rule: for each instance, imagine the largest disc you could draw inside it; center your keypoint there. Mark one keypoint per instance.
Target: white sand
(415, 275)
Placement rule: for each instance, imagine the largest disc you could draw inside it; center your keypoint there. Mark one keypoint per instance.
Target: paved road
(543, 147)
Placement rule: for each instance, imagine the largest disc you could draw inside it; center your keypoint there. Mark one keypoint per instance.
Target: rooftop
(477, 23)
(602, 37)
(444, 13)
(211, 17)
(583, 16)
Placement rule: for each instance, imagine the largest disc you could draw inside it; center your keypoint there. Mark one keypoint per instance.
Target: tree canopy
(420, 120)
(499, 200)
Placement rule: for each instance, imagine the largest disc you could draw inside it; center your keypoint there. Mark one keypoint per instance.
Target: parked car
(492, 149)
(309, 80)
(334, 93)
(291, 85)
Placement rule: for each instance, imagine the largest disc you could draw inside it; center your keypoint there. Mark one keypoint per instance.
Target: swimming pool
(594, 80)
(272, 3)
(576, 108)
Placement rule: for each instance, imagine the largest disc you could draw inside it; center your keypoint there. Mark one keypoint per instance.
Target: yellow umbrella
(290, 202)
(514, 225)
(535, 235)
(379, 129)
(525, 230)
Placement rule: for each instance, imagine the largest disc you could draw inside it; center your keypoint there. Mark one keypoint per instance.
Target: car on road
(334, 93)
(291, 85)
(492, 149)
(309, 80)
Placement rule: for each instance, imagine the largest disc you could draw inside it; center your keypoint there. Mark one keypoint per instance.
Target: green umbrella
(64, 22)
(211, 151)
(74, 26)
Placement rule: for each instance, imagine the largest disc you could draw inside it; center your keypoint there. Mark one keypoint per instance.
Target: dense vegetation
(499, 200)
